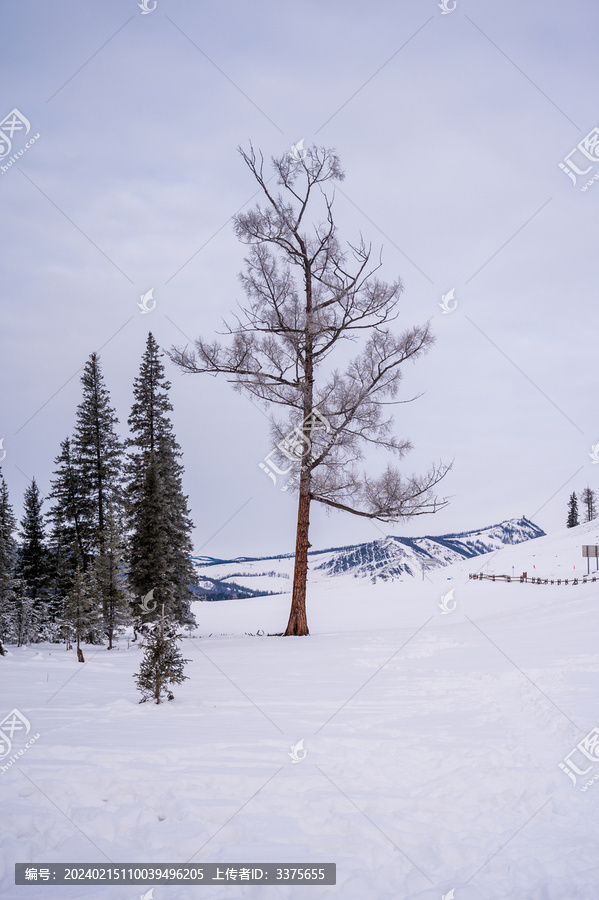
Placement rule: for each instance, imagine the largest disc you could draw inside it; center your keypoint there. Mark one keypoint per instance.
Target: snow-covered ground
(433, 742)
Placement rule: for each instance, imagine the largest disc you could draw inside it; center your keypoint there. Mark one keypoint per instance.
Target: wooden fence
(585, 579)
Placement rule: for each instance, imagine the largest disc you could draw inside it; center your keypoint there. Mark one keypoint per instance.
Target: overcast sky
(450, 128)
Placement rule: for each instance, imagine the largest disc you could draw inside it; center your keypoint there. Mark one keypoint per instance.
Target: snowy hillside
(396, 557)
(387, 558)
(435, 744)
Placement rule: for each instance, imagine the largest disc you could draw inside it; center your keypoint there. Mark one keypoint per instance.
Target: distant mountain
(222, 587)
(395, 557)
(385, 558)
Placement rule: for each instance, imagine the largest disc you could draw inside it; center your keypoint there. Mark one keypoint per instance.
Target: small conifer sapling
(162, 664)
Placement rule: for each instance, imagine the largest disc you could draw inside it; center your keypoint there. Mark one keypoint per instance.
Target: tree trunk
(110, 606)
(298, 623)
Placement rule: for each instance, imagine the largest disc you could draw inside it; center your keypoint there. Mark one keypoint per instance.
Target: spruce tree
(158, 516)
(162, 664)
(110, 576)
(98, 452)
(87, 484)
(27, 618)
(148, 548)
(573, 519)
(99, 461)
(19, 620)
(82, 616)
(69, 517)
(8, 588)
(33, 559)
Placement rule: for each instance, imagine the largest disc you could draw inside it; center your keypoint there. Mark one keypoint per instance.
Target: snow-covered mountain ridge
(384, 558)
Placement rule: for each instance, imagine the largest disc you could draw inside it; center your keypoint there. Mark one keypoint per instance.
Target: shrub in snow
(162, 664)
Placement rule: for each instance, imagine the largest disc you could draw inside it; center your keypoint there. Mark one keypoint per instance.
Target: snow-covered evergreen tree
(148, 548)
(99, 463)
(109, 571)
(162, 664)
(160, 526)
(82, 618)
(573, 519)
(33, 568)
(19, 620)
(8, 549)
(87, 483)
(28, 616)
(98, 453)
(69, 517)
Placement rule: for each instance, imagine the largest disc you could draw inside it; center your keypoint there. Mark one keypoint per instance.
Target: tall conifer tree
(88, 484)
(70, 543)
(98, 452)
(160, 544)
(34, 611)
(7, 563)
(19, 621)
(109, 571)
(32, 564)
(82, 617)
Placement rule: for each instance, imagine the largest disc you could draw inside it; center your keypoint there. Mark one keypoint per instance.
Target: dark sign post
(589, 550)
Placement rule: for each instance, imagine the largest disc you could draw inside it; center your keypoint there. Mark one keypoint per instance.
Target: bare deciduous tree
(589, 499)
(305, 296)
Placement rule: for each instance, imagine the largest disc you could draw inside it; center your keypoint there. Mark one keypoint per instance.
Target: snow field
(432, 744)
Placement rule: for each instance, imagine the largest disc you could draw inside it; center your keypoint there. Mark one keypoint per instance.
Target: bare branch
(389, 498)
